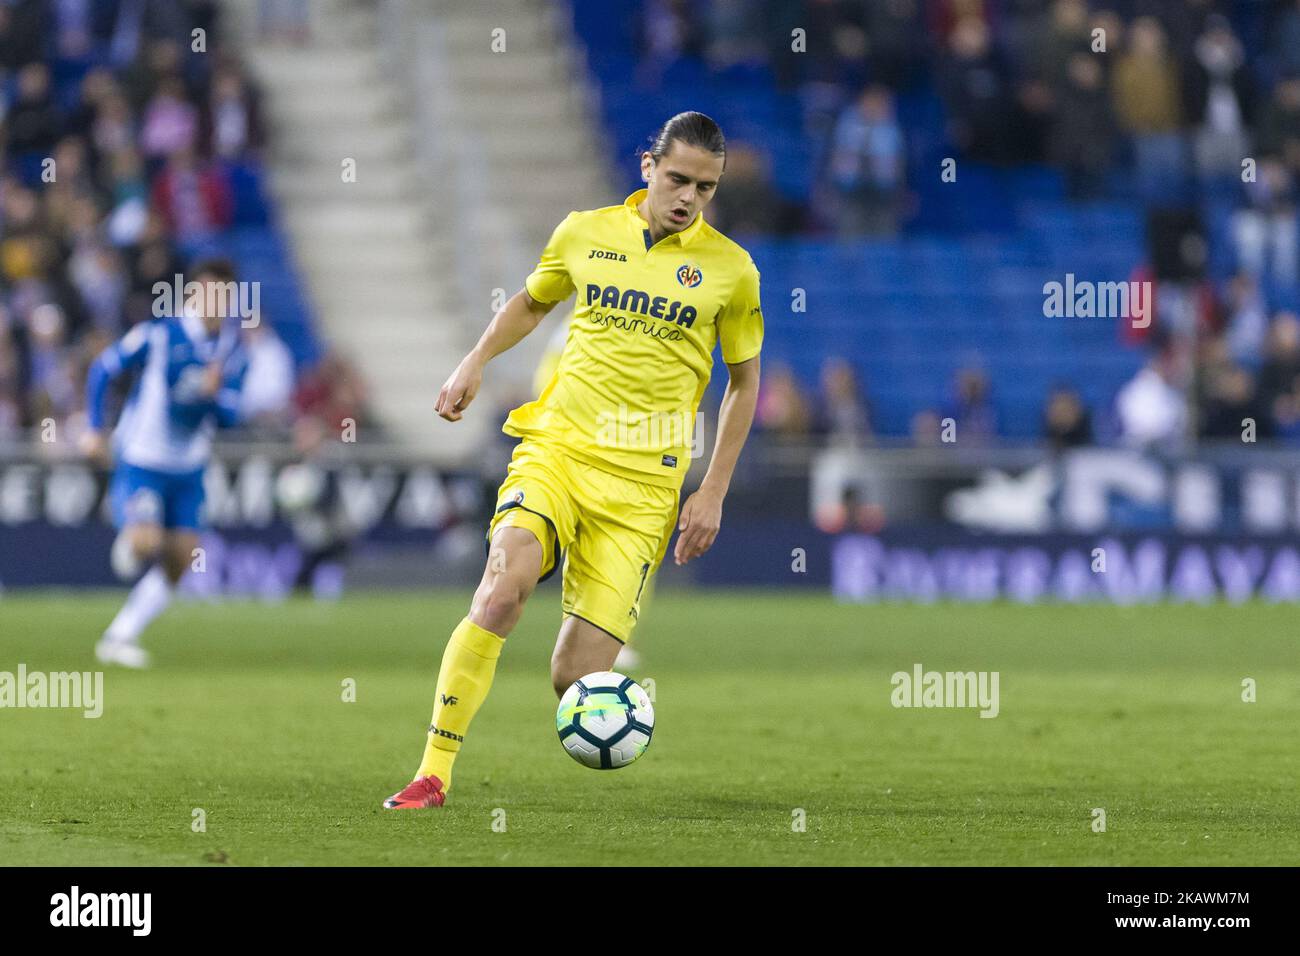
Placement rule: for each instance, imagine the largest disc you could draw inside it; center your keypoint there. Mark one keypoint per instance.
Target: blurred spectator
(72, 29)
(22, 30)
(977, 89)
(1286, 415)
(1228, 397)
(33, 122)
(113, 128)
(1066, 37)
(333, 394)
(747, 202)
(1066, 422)
(842, 418)
(1277, 378)
(735, 28)
(866, 166)
(1152, 407)
(895, 39)
(1279, 127)
(129, 196)
(160, 63)
(1184, 21)
(11, 405)
(53, 389)
(23, 228)
(782, 409)
(266, 400)
(1246, 319)
(669, 31)
(193, 199)
(1082, 136)
(972, 409)
(171, 122)
(1264, 231)
(926, 428)
(96, 271)
(1218, 96)
(836, 43)
(234, 115)
(1286, 40)
(1147, 104)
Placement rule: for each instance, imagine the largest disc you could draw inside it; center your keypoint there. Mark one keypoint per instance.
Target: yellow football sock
(463, 683)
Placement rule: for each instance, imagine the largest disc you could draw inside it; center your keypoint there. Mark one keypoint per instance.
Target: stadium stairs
(367, 245)
(459, 182)
(506, 121)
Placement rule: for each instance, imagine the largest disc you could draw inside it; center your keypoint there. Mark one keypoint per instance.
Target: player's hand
(211, 381)
(94, 446)
(459, 390)
(699, 522)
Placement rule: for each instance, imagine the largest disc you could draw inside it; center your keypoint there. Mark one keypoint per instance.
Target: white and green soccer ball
(605, 720)
(298, 487)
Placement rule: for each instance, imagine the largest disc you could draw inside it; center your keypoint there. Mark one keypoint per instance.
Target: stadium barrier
(877, 524)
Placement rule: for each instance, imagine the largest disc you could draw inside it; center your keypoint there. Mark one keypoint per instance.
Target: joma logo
(607, 254)
(446, 733)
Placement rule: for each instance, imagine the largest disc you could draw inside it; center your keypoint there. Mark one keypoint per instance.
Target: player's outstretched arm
(701, 515)
(520, 315)
(127, 353)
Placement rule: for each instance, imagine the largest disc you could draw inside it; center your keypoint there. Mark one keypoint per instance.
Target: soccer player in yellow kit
(606, 445)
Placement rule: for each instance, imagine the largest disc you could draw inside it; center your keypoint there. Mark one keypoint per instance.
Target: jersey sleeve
(740, 326)
(550, 282)
(129, 352)
(226, 401)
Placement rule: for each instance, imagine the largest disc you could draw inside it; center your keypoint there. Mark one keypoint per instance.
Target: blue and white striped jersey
(167, 423)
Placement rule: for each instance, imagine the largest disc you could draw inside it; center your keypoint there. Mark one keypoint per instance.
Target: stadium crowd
(119, 131)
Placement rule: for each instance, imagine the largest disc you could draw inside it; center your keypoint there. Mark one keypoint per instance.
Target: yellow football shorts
(612, 531)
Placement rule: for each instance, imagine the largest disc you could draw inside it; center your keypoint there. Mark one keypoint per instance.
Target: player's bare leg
(178, 554)
(468, 664)
(582, 648)
(148, 543)
(513, 566)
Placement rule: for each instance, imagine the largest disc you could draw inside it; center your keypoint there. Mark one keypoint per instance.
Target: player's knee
(146, 542)
(498, 604)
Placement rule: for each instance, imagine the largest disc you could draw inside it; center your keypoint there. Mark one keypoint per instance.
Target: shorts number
(645, 569)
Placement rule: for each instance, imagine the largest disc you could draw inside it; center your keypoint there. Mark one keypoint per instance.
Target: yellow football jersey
(640, 345)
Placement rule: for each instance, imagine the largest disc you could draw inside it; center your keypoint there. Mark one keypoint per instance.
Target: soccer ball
(605, 720)
(299, 487)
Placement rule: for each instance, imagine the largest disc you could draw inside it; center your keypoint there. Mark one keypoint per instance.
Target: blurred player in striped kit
(189, 369)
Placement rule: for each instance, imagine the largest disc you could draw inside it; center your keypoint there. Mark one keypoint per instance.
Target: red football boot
(419, 793)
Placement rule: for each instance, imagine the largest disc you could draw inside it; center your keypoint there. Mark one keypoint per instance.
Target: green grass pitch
(766, 703)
